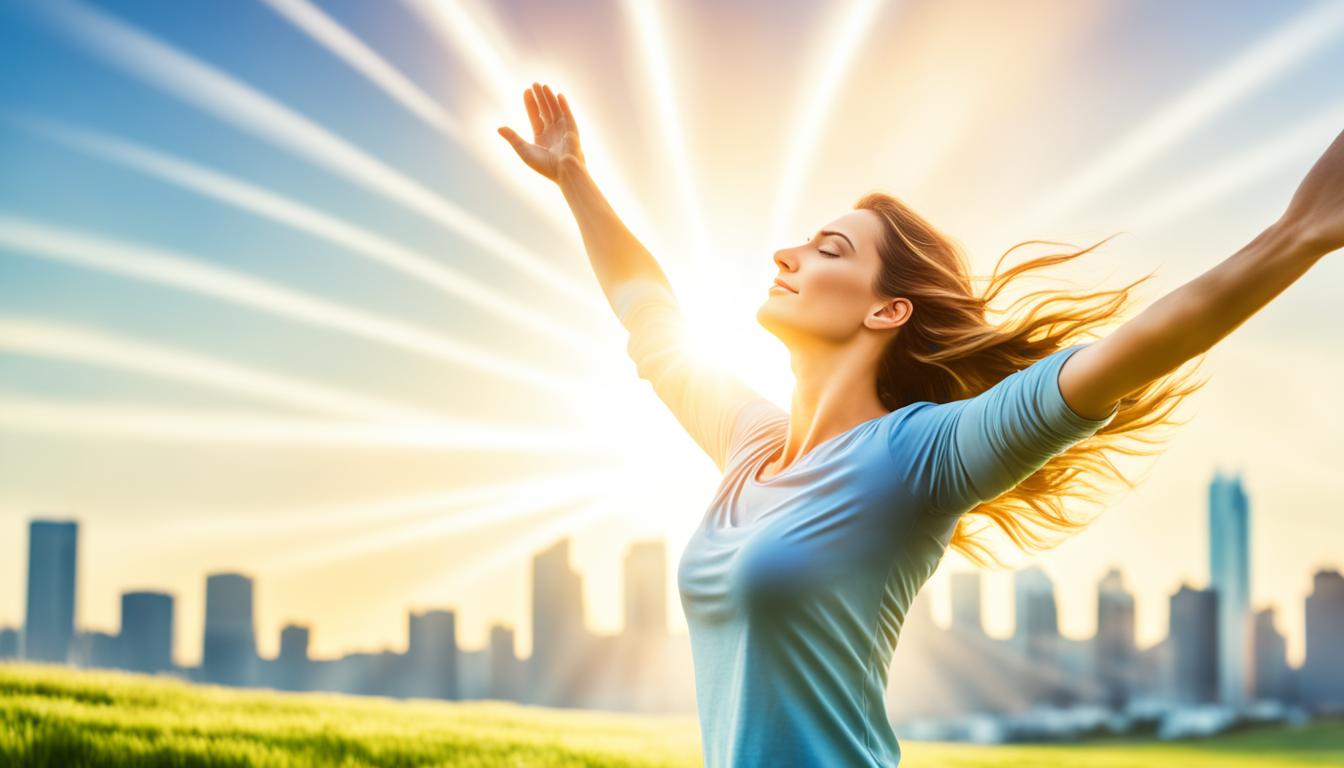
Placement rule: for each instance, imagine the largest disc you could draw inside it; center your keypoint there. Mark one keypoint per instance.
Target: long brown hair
(949, 350)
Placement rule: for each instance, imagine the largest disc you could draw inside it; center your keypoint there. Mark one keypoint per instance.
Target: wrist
(570, 167)
(1288, 235)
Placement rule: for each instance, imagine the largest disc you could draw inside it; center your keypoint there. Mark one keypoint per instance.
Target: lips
(784, 285)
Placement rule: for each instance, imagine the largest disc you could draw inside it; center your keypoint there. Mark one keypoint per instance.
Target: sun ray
(287, 211)
(197, 83)
(153, 423)
(165, 268)
(1269, 58)
(1302, 141)
(814, 105)
(650, 36)
(343, 44)
(328, 33)
(521, 505)
(282, 522)
(40, 338)
(470, 33)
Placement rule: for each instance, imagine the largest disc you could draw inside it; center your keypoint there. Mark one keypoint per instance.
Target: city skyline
(397, 264)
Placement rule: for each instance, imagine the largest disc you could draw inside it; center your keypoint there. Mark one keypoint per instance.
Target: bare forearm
(615, 253)
(1186, 322)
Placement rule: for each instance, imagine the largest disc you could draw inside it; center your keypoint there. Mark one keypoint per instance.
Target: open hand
(1316, 212)
(555, 134)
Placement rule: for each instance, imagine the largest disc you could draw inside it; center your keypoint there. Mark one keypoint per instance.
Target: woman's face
(829, 279)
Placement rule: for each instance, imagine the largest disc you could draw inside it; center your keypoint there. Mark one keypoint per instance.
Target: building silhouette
(558, 628)
(1230, 577)
(1037, 630)
(229, 655)
(966, 611)
(292, 668)
(506, 670)
(431, 655)
(49, 617)
(1113, 647)
(1272, 678)
(1323, 668)
(146, 641)
(1193, 634)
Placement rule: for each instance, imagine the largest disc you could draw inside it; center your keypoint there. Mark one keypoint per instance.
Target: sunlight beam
(650, 37)
(1304, 140)
(521, 505)
(328, 33)
(158, 424)
(217, 93)
(39, 338)
(165, 268)
(1267, 59)
(292, 213)
(815, 104)
(471, 34)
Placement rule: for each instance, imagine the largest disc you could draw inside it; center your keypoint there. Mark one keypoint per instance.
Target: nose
(785, 260)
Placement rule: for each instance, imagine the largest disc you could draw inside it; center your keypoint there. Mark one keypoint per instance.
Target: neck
(835, 390)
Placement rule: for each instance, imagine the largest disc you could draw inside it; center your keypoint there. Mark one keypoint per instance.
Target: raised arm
(710, 403)
(1191, 319)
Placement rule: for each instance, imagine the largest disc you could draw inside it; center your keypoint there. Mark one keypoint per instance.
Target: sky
(276, 298)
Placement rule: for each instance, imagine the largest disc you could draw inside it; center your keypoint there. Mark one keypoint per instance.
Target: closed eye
(828, 253)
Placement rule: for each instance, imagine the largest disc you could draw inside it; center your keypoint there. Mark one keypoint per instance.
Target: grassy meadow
(56, 716)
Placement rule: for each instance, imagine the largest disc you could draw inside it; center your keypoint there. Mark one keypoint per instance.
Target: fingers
(540, 96)
(513, 138)
(564, 107)
(533, 112)
(551, 102)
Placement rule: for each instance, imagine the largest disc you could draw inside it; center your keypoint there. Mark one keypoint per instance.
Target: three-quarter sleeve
(709, 402)
(959, 454)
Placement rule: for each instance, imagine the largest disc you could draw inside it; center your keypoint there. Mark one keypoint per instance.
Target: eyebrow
(839, 234)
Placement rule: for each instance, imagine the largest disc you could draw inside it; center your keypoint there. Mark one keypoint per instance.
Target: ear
(892, 313)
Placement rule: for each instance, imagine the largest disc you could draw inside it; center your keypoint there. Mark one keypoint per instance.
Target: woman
(909, 412)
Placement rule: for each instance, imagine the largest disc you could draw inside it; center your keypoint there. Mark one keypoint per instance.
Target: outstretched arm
(617, 256)
(1191, 319)
(716, 408)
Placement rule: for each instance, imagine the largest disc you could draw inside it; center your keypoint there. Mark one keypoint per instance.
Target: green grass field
(55, 716)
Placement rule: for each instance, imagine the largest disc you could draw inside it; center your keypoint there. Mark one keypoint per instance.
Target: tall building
(646, 589)
(230, 651)
(1269, 651)
(966, 612)
(558, 632)
(146, 631)
(1037, 630)
(49, 619)
(1194, 646)
(1323, 669)
(1113, 647)
(431, 655)
(506, 682)
(1230, 577)
(293, 667)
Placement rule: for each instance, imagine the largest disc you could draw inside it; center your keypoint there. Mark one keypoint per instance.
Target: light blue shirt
(795, 587)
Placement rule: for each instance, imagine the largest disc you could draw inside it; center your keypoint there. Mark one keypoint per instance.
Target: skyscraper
(966, 611)
(557, 627)
(432, 655)
(294, 672)
(1114, 652)
(505, 669)
(1230, 577)
(1323, 668)
(646, 589)
(146, 631)
(1269, 650)
(49, 619)
(1194, 653)
(230, 650)
(1037, 631)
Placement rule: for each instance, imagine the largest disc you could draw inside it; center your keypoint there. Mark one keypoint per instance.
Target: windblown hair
(949, 350)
